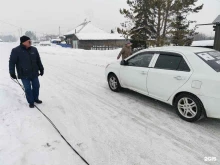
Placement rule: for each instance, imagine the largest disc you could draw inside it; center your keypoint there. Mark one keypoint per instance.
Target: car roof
(179, 49)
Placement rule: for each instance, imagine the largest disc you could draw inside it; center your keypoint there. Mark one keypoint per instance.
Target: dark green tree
(181, 33)
(140, 25)
(157, 19)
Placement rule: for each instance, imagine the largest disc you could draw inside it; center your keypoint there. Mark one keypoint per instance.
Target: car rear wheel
(113, 82)
(188, 107)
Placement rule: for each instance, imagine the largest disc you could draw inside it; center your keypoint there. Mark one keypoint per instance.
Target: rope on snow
(17, 82)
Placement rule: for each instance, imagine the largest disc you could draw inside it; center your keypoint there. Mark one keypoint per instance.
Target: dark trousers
(31, 87)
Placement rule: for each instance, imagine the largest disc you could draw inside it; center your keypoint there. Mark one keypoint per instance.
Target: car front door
(170, 72)
(133, 75)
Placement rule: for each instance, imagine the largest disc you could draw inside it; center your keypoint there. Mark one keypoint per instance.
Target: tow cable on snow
(17, 82)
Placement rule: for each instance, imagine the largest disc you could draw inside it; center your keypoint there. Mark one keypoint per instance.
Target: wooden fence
(94, 47)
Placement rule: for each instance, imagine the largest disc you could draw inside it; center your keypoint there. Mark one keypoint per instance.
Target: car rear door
(134, 74)
(171, 71)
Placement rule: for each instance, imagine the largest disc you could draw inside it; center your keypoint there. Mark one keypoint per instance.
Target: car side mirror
(123, 62)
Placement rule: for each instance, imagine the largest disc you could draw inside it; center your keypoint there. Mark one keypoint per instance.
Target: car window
(183, 66)
(141, 60)
(170, 62)
(211, 58)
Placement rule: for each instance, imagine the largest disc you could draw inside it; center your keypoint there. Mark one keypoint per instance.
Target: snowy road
(106, 128)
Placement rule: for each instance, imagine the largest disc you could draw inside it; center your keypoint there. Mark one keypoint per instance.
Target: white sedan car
(186, 77)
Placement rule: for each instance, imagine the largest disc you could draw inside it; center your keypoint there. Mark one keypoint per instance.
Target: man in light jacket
(126, 51)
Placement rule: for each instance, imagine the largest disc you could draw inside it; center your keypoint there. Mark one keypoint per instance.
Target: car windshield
(211, 58)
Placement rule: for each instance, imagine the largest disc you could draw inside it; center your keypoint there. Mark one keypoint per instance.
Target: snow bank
(203, 43)
(48, 43)
(92, 57)
(57, 39)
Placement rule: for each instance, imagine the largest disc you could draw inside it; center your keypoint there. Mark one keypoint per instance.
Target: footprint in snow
(82, 146)
(47, 145)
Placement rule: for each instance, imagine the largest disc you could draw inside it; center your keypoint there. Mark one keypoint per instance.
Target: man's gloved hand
(41, 72)
(13, 76)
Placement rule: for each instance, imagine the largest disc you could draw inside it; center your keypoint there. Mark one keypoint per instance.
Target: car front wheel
(188, 107)
(113, 82)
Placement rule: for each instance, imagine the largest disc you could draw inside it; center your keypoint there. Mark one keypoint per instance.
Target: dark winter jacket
(27, 62)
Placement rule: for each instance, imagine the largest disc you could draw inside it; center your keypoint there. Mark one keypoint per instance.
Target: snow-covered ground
(106, 128)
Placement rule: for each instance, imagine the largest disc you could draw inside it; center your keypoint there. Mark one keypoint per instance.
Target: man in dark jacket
(28, 64)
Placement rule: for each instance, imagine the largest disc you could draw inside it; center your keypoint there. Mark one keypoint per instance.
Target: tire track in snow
(138, 110)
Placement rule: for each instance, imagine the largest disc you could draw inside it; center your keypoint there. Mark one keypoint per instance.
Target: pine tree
(181, 33)
(159, 20)
(140, 25)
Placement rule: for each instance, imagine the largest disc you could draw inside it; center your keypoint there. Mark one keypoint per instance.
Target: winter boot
(38, 102)
(31, 105)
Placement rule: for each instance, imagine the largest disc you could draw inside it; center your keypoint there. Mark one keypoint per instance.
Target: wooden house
(89, 37)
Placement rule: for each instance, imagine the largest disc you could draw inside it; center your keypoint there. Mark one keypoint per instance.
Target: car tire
(188, 107)
(113, 83)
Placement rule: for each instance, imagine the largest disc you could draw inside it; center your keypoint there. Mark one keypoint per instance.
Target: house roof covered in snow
(1, 40)
(86, 27)
(87, 31)
(217, 20)
(203, 43)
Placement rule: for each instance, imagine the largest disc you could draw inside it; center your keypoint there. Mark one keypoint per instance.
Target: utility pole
(21, 32)
(19, 35)
(59, 31)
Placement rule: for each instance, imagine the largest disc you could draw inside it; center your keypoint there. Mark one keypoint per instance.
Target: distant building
(89, 37)
(210, 43)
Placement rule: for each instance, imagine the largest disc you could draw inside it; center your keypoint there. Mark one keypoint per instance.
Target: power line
(9, 32)
(9, 24)
(20, 28)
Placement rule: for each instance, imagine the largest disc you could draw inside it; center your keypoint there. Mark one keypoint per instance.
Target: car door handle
(143, 72)
(179, 78)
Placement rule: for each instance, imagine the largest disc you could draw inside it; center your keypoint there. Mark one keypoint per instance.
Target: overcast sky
(45, 16)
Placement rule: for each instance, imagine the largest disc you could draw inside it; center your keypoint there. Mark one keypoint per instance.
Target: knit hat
(24, 39)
